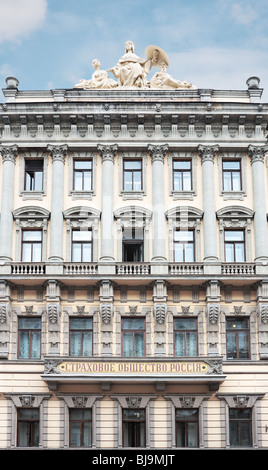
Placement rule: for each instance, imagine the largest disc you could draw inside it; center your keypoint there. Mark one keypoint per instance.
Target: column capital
(9, 153)
(157, 152)
(107, 152)
(257, 153)
(207, 153)
(58, 152)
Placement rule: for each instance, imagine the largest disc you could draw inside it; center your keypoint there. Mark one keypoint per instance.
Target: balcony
(158, 371)
(133, 270)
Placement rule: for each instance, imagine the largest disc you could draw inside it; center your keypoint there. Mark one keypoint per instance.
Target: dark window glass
(33, 175)
(28, 427)
(187, 428)
(237, 332)
(133, 244)
(240, 427)
(134, 427)
(80, 427)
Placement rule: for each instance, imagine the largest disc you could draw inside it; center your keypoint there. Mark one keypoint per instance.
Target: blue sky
(212, 43)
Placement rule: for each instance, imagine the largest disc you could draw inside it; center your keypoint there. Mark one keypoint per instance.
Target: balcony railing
(128, 269)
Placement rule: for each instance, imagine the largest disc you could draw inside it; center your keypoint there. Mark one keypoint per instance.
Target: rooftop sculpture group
(131, 72)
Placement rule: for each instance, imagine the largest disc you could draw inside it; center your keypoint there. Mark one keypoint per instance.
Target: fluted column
(158, 153)
(58, 154)
(9, 155)
(207, 155)
(107, 153)
(256, 155)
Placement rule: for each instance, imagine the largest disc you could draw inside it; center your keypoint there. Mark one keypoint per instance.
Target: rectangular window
(80, 421)
(231, 171)
(187, 427)
(237, 332)
(240, 422)
(29, 338)
(134, 427)
(185, 337)
(182, 175)
(234, 246)
(82, 175)
(28, 427)
(33, 175)
(82, 246)
(132, 244)
(184, 251)
(81, 337)
(132, 175)
(31, 246)
(133, 337)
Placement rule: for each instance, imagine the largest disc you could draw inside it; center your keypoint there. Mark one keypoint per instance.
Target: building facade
(134, 268)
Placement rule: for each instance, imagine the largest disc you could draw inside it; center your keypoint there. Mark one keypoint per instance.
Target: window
(240, 427)
(237, 331)
(80, 421)
(29, 338)
(133, 244)
(82, 175)
(234, 246)
(185, 337)
(133, 427)
(81, 337)
(187, 427)
(28, 427)
(31, 246)
(182, 175)
(133, 337)
(33, 175)
(82, 246)
(132, 175)
(184, 246)
(231, 171)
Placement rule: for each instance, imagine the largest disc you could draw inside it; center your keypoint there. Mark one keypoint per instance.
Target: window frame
(182, 172)
(82, 432)
(82, 331)
(236, 332)
(194, 330)
(32, 243)
(132, 172)
(81, 243)
(31, 422)
(231, 172)
(136, 425)
(33, 179)
(186, 422)
(184, 244)
(234, 244)
(83, 171)
(30, 336)
(239, 423)
(133, 331)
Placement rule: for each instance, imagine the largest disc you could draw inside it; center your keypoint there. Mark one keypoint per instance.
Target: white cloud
(243, 14)
(20, 17)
